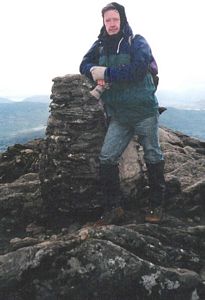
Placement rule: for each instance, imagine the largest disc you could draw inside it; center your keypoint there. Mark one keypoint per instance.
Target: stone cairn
(74, 136)
(75, 129)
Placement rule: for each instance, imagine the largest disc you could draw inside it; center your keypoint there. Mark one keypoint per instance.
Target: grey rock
(52, 246)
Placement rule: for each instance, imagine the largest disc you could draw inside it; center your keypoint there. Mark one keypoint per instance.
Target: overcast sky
(43, 39)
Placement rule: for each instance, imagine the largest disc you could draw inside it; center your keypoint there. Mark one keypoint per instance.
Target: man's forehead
(111, 12)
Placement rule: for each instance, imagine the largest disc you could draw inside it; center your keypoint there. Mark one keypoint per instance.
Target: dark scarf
(110, 42)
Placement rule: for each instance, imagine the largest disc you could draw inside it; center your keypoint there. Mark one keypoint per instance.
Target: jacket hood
(124, 27)
(119, 8)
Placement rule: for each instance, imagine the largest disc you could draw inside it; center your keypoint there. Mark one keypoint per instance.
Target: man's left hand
(98, 72)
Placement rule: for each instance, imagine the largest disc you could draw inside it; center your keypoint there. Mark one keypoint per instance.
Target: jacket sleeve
(90, 59)
(141, 57)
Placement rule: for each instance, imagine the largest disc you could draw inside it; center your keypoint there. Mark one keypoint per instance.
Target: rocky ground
(67, 255)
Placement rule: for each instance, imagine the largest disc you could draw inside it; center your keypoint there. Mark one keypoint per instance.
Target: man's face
(112, 21)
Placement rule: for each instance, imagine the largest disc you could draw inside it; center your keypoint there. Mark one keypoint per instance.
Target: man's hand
(97, 72)
(101, 82)
(97, 91)
(100, 88)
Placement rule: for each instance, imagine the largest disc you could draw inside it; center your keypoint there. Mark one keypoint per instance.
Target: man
(124, 67)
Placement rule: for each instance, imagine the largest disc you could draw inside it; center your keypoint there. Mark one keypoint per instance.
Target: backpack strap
(154, 76)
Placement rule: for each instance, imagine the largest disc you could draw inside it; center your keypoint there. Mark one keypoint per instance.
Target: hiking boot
(115, 216)
(109, 185)
(154, 215)
(157, 183)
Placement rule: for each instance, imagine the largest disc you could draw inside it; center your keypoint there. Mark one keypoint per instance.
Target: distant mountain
(189, 98)
(5, 100)
(37, 98)
(190, 122)
(25, 120)
(199, 104)
(22, 121)
(21, 138)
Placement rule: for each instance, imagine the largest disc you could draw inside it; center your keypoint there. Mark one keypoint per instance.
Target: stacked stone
(74, 136)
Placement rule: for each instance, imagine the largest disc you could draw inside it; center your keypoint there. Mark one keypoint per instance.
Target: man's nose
(112, 23)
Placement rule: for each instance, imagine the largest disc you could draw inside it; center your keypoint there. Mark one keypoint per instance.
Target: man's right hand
(97, 91)
(101, 82)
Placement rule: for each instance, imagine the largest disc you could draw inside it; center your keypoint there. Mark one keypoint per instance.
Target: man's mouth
(113, 30)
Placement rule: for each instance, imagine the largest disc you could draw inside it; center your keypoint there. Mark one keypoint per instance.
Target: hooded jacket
(129, 61)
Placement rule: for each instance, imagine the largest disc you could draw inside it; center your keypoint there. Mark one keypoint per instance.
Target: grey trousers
(119, 135)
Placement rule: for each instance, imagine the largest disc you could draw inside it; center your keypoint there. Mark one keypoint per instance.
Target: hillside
(189, 98)
(21, 121)
(5, 100)
(190, 122)
(26, 120)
